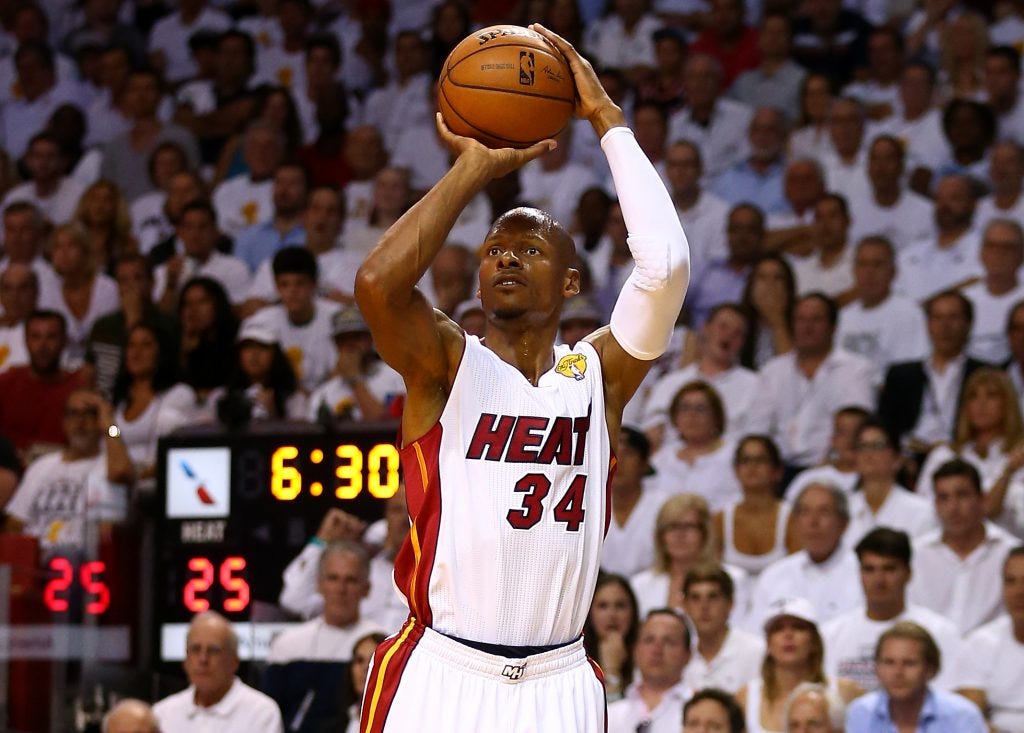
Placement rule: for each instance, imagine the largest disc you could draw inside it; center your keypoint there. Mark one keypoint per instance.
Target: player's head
(526, 267)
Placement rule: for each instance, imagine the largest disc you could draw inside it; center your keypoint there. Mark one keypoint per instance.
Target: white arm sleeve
(649, 303)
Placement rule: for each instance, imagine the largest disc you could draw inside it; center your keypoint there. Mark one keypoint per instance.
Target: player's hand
(497, 162)
(592, 101)
(338, 525)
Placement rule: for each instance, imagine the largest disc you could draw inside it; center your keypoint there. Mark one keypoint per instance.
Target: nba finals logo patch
(572, 365)
(526, 69)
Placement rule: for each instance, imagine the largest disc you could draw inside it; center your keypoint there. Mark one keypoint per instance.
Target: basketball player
(507, 443)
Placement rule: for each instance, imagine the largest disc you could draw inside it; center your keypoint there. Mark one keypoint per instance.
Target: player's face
(790, 641)
(706, 716)
(808, 714)
(343, 585)
(901, 669)
(876, 460)
(959, 505)
(209, 661)
(661, 652)
(523, 269)
(611, 611)
(884, 578)
(683, 536)
(708, 606)
(818, 523)
(1013, 587)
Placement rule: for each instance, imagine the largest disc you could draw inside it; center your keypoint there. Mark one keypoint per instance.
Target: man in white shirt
(554, 183)
(884, 556)
(1002, 253)
(916, 123)
(758, 177)
(725, 657)
(957, 568)
(878, 324)
(718, 363)
(247, 199)
(624, 40)
(991, 666)
(798, 392)
(716, 124)
(55, 195)
(886, 208)
(306, 663)
(1002, 85)
(302, 322)
(823, 571)
(846, 163)
(879, 91)
(654, 702)
(404, 101)
(24, 234)
(829, 269)
(19, 293)
(168, 39)
(197, 230)
(259, 243)
(701, 212)
(947, 258)
(1006, 172)
(216, 701)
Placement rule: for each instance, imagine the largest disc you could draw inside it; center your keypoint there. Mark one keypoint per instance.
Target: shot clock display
(236, 508)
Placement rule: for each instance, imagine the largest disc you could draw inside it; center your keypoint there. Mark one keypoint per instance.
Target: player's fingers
(538, 148)
(560, 43)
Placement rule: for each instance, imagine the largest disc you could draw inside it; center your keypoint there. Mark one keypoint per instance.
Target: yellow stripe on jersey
(413, 535)
(383, 670)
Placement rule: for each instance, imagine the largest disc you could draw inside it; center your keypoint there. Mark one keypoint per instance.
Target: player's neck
(527, 348)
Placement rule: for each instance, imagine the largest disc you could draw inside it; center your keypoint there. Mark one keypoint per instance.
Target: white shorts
(420, 680)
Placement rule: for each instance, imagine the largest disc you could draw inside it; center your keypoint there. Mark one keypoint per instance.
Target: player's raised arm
(646, 310)
(404, 326)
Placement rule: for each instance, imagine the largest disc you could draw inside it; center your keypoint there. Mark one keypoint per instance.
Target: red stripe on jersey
(415, 559)
(389, 662)
(600, 678)
(612, 464)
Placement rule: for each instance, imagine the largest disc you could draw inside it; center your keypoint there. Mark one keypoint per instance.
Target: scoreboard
(234, 508)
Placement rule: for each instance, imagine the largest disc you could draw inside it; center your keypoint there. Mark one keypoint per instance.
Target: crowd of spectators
(820, 489)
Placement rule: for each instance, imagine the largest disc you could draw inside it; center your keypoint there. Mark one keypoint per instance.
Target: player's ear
(572, 282)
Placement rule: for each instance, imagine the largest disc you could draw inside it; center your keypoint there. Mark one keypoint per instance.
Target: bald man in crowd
(130, 716)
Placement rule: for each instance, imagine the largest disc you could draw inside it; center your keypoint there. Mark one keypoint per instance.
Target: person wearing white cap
(363, 387)
(263, 385)
(795, 654)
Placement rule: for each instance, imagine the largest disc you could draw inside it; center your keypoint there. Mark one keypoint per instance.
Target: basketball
(506, 86)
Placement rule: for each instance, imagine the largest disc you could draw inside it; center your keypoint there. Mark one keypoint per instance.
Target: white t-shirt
(12, 346)
(903, 223)
(228, 270)
(992, 659)
(149, 222)
(241, 710)
(704, 224)
(58, 501)
(990, 466)
(922, 138)
(241, 202)
(631, 713)
(611, 45)
(925, 269)
(652, 591)
(629, 548)
(832, 586)
(710, 476)
(316, 640)
(893, 331)
(58, 207)
(987, 210)
(104, 299)
(834, 280)
(170, 36)
(383, 382)
(556, 191)
(418, 148)
(850, 179)
(967, 591)
(310, 346)
(988, 331)
(165, 412)
(723, 141)
(850, 644)
(737, 387)
(738, 661)
(901, 509)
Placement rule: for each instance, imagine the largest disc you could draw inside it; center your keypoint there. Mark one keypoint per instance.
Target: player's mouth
(507, 281)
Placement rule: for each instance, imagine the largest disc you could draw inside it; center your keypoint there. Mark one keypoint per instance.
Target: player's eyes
(532, 251)
(493, 251)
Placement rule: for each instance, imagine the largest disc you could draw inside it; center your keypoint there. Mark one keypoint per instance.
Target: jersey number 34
(535, 487)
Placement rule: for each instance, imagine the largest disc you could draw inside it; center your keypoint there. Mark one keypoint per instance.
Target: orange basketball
(506, 86)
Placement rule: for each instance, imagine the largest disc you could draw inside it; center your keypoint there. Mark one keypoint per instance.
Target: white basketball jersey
(508, 494)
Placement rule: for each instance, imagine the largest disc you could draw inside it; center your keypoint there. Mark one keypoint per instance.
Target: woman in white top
(811, 139)
(877, 499)
(795, 653)
(148, 401)
(611, 630)
(85, 294)
(696, 459)
(683, 539)
(264, 386)
(756, 531)
(990, 436)
(770, 294)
